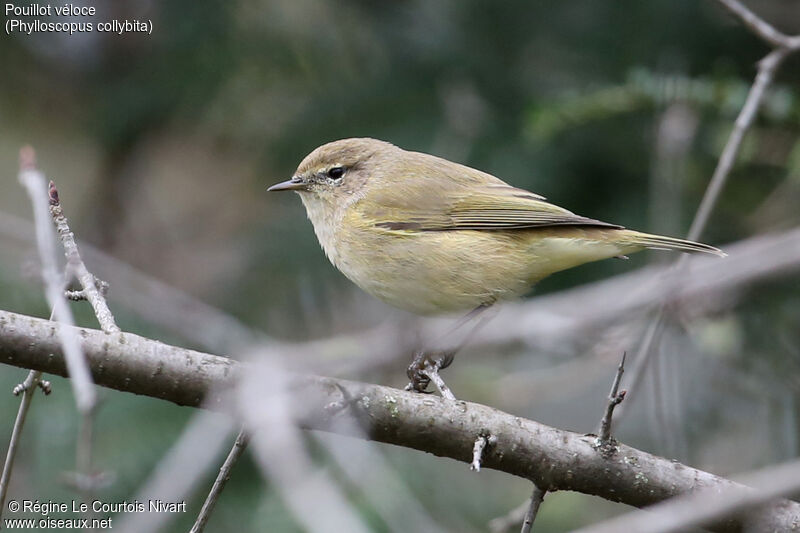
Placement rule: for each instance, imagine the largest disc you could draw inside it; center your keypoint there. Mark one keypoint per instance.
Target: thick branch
(553, 459)
(120, 361)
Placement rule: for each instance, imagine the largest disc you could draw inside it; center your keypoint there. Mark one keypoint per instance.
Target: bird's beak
(294, 184)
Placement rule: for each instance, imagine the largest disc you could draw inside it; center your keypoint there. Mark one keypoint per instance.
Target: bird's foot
(425, 367)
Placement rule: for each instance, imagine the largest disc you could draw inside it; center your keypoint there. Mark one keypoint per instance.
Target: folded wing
(495, 206)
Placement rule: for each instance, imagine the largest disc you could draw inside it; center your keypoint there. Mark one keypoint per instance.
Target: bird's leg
(426, 363)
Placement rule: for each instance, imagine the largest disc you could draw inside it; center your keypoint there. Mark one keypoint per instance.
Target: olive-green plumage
(431, 236)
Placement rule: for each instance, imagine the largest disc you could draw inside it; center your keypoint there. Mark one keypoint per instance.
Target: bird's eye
(336, 173)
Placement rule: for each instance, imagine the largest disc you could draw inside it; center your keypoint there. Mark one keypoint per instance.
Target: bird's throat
(325, 221)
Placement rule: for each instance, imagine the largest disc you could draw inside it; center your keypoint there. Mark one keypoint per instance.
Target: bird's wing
(488, 206)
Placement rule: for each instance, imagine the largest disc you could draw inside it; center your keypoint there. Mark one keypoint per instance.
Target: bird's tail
(660, 242)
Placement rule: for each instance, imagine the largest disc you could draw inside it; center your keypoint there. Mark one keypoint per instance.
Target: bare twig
(533, 508)
(481, 443)
(93, 289)
(549, 457)
(615, 397)
(760, 27)
(28, 389)
(224, 475)
(766, 72)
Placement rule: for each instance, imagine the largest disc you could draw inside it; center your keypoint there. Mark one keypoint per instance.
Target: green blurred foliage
(163, 146)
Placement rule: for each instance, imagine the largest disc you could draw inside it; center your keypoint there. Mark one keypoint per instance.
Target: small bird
(431, 236)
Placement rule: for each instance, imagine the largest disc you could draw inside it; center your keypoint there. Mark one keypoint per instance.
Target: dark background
(163, 145)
